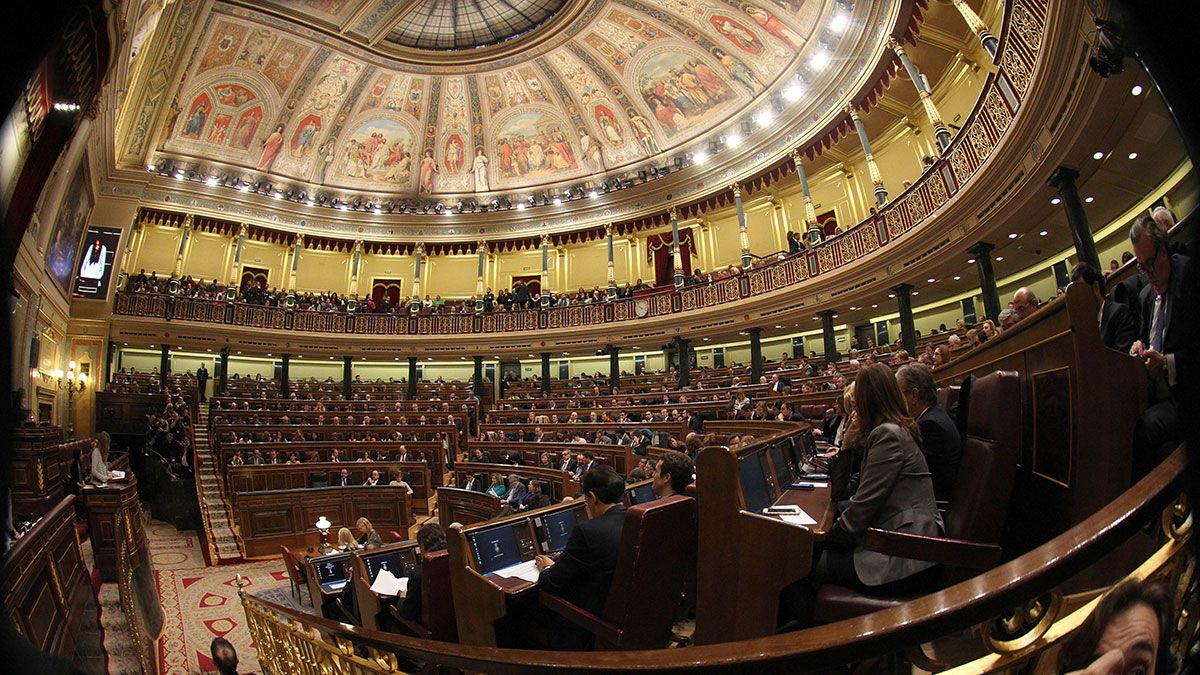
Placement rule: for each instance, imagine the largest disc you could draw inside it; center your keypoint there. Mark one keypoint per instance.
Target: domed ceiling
(470, 97)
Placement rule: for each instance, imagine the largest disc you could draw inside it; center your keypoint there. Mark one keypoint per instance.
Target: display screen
(557, 528)
(495, 548)
(641, 494)
(783, 467)
(93, 270)
(331, 569)
(399, 563)
(754, 482)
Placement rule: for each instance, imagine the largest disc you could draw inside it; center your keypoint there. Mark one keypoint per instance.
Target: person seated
(237, 459)
(535, 498)
(398, 479)
(343, 479)
(346, 540)
(1128, 632)
(940, 439)
(496, 489)
(474, 483)
(894, 492)
(431, 537)
(673, 472)
(583, 572)
(512, 498)
(1118, 324)
(370, 538)
(373, 479)
(100, 474)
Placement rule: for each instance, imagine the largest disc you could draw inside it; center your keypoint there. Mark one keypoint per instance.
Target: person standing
(202, 382)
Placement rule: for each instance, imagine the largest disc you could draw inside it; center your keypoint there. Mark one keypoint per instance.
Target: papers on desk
(526, 571)
(335, 585)
(116, 475)
(386, 583)
(801, 518)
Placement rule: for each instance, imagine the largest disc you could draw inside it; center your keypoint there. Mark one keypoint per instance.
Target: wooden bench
(277, 518)
(264, 477)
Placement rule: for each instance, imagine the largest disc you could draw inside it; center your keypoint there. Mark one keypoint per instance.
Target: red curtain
(658, 246)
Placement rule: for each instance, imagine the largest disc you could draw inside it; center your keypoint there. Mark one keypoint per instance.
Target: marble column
(872, 167)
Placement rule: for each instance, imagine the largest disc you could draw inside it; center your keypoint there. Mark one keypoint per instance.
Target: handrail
(971, 602)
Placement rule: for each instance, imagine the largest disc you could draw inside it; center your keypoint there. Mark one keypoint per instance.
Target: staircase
(223, 543)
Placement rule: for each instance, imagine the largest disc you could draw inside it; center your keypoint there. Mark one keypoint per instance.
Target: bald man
(1024, 302)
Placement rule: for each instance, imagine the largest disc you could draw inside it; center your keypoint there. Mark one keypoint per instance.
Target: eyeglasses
(1147, 268)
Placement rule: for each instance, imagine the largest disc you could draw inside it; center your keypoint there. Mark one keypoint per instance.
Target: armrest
(581, 617)
(416, 627)
(942, 550)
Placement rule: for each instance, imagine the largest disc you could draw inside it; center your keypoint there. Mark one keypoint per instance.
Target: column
(977, 26)
(285, 384)
(931, 111)
(355, 265)
(982, 251)
(412, 378)
(908, 332)
(813, 230)
(872, 167)
(676, 258)
(756, 357)
(183, 242)
(481, 248)
(743, 236)
(347, 377)
(479, 389)
(614, 368)
(164, 366)
(236, 270)
(1063, 179)
(545, 379)
(297, 246)
(685, 361)
(831, 352)
(110, 356)
(545, 301)
(612, 277)
(135, 230)
(224, 383)
(414, 305)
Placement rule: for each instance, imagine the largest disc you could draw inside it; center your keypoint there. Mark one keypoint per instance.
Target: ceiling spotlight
(520, 206)
(1133, 155)
(999, 258)
(1043, 233)
(916, 292)
(1097, 155)
(734, 140)
(1012, 235)
(970, 261)
(557, 200)
(931, 280)
(1056, 201)
(838, 23)
(819, 60)
(793, 92)
(211, 180)
(1089, 200)
(1137, 90)
(874, 306)
(700, 157)
(957, 278)
(764, 118)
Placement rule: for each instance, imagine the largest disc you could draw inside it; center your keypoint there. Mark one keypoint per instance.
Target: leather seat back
(979, 505)
(437, 602)
(658, 542)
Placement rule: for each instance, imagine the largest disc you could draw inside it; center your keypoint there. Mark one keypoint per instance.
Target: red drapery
(658, 249)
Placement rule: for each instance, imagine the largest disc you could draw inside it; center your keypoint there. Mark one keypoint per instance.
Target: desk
(465, 507)
(277, 518)
(104, 506)
(370, 604)
(263, 477)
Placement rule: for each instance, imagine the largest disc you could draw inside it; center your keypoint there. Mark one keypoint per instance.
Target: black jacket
(1180, 316)
(942, 445)
(410, 607)
(1118, 326)
(583, 574)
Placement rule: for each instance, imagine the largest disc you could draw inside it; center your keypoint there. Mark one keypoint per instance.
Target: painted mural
(637, 79)
(68, 227)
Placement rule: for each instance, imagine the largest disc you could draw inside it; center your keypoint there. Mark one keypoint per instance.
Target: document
(386, 583)
(116, 475)
(801, 518)
(526, 571)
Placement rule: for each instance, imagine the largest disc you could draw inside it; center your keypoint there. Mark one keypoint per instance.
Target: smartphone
(781, 510)
(802, 486)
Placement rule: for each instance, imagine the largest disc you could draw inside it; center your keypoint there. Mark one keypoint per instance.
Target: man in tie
(1118, 324)
(343, 479)
(1162, 343)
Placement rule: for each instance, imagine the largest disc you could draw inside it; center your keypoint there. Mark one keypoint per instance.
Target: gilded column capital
(737, 190)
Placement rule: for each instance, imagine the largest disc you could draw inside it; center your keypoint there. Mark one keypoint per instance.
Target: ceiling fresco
(273, 90)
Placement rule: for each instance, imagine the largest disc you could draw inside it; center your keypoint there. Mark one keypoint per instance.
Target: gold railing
(143, 615)
(1005, 620)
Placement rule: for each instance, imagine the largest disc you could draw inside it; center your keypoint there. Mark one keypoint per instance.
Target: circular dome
(467, 24)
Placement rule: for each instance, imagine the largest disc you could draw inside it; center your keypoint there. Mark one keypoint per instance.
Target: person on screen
(93, 262)
(584, 570)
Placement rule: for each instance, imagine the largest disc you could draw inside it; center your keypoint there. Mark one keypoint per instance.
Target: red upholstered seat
(658, 540)
(297, 573)
(437, 602)
(977, 510)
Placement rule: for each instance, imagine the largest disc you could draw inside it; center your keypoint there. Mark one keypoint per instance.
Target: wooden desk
(104, 506)
(558, 484)
(277, 518)
(41, 465)
(466, 507)
(369, 604)
(264, 477)
(620, 457)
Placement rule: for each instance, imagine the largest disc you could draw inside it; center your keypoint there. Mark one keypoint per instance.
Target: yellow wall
(207, 256)
(157, 250)
(372, 267)
(266, 255)
(451, 276)
(323, 271)
(504, 266)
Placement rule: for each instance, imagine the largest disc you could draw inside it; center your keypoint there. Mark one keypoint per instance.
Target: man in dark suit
(567, 463)
(520, 295)
(516, 492)
(584, 463)
(405, 456)
(941, 441)
(1118, 325)
(474, 483)
(584, 570)
(202, 381)
(1162, 344)
(343, 479)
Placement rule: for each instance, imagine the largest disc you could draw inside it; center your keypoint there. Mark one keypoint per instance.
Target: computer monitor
(331, 569)
(496, 547)
(554, 529)
(754, 482)
(641, 494)
(784, 474)
(399, 563)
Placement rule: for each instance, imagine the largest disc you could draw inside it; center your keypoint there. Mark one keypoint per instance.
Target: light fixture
(793, 92)
(1056, 201)
(957, 278)
(931, 280)
(764, 118)
(323, 526)
(1012, 235)
(1137, 90)
(700, 157)
(999, 258)
(63, 106)
(520, 206)
(874, 306)
(819, 60)
(970, 261)
(916, 292)
(838, 23)
(1133, 155)
(734, 140)
(1097, 155)
(1044, 233)
(211, 180)
(1089, 200)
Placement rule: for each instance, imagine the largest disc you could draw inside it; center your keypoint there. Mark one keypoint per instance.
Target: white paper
(801, 518)
(116, 475)
(386, 583)
(815, 484)
(526, 571)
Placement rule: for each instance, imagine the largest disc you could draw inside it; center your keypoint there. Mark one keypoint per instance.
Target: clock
(641, 308)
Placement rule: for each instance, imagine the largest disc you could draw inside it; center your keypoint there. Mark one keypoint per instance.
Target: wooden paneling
(263, 477)
(465, 506)
(104, 506)
(272, 519)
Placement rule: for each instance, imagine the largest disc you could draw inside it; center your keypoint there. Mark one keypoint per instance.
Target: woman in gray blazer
(895, 492)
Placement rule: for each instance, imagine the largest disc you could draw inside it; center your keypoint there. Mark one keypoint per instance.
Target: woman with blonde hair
(370, 538)
(100, 446)
(346, 540)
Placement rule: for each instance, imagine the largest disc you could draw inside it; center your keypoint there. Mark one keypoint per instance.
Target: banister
(968, 603)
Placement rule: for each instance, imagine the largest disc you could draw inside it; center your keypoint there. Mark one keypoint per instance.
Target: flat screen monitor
(555, 528)
(641, 494)
(784, 475)
(94, 270)
(496, 547)
(399, 563)
(331, 569)
(754, 482)
(810, 443)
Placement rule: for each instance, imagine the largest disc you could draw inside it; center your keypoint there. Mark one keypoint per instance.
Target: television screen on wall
(93, 270)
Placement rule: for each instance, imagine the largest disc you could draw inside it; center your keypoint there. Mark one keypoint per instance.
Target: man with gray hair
(1008, 318)
(1024, 302)
(1163, 344)
(940, 438)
